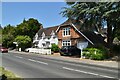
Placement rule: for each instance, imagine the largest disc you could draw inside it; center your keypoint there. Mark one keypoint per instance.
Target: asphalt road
(32, 66)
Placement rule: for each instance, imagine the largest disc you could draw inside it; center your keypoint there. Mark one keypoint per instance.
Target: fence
(40, 51)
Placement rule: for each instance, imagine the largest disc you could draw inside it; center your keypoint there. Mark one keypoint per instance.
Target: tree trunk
(109, 34)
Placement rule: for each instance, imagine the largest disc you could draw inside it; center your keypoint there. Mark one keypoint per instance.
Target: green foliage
(117, 33)
(8, 35)
(8, 30)
(7, 75)
(55, 48)
(7, 41)
(93, 14)
(28, 27)
(23, 41)
(95, 53)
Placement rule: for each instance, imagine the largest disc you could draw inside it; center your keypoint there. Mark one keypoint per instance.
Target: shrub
(86, 54)
(98, 56)
(95, 53)
(55, 48)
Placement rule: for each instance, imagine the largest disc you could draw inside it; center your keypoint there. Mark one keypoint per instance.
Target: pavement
(103, 63)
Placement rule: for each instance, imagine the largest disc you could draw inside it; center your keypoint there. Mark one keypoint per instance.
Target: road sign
(81, 46)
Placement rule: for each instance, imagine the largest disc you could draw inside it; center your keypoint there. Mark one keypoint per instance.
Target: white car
(27, 49)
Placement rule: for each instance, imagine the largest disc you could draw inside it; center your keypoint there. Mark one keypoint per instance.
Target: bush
(95, 54)
(55, 48)
(86, 54)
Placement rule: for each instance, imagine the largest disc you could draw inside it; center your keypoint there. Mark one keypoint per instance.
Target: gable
(73, 33)
(75, 29)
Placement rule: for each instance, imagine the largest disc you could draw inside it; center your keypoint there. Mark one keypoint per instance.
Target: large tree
(8, 35)
(8, 30)
(28, 27)
(92, 14)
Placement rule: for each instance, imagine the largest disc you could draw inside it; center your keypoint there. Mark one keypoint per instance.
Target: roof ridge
(51, 27)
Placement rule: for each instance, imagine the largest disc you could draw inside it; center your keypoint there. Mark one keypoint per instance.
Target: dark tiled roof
(72, 21)
(95, 38)
(47, 31)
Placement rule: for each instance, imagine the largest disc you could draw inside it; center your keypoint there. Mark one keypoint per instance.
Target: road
(33, 66)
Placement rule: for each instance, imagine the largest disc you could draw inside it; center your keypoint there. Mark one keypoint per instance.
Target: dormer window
(43, 35)
(66, 31)
(36, 36)
(53, 34)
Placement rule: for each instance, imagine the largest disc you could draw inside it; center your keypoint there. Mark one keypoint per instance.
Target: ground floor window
(66, 43)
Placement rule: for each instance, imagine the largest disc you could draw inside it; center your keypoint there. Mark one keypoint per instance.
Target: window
(66, 43)
(66, 31)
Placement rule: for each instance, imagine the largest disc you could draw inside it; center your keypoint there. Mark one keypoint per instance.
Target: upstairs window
(66, 31)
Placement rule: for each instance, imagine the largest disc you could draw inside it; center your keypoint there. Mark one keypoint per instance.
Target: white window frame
(66, 31)
(66, 43)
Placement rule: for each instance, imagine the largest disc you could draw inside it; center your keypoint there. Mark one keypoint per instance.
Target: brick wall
(74, 36)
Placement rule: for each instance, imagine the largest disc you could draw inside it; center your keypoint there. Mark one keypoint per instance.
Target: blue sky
(46, 13)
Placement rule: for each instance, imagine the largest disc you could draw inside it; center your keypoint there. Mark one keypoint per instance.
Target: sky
(47, 13)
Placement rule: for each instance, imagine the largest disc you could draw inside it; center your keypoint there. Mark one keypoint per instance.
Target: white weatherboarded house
(45, 37)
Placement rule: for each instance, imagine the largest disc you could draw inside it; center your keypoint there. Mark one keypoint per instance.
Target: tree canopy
(8, 35)
(27, 28)
(93, 14)
(23, 41)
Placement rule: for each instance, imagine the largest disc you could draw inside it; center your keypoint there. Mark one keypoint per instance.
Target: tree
(81, 13)
(93, 14)
(7, 41)
(23, 41)
(8, 30)
(28, 27)
(8, 35)
(112, 16)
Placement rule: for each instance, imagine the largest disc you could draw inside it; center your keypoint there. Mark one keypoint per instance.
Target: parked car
(2, 49)
(27, 49)
(70, 51)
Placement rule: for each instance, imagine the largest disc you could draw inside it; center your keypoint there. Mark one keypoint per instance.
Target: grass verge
(7, 75)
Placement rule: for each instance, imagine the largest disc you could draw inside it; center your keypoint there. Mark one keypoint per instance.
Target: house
(45, 37)
(67, 34)
(70, 34)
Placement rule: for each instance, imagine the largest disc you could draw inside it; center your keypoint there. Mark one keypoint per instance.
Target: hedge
(95, 53)
(55, 48)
